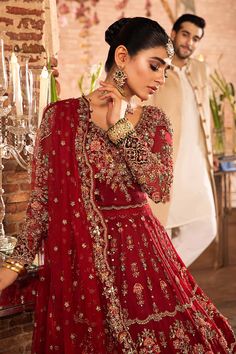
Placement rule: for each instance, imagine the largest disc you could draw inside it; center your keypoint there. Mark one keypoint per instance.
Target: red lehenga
(112, 281)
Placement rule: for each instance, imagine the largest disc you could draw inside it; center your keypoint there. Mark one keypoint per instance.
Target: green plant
(90, 79)
(222, 90)
(53, 89)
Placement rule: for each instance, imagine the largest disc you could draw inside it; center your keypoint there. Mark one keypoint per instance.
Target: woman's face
(146, 72)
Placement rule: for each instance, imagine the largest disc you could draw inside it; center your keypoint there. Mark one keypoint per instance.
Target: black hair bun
(114, 29)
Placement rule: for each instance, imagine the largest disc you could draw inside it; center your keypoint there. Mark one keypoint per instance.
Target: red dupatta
(77, 303)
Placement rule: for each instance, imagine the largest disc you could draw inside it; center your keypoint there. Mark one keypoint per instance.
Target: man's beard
(181, 55)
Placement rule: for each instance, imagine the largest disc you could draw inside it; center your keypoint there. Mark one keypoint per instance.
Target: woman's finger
(109, 95)
(109, 87)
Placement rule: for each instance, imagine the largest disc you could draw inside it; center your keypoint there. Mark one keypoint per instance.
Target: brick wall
(16, 194)
(22, 26)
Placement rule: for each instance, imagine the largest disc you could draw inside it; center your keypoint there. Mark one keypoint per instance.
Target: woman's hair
(135, 34)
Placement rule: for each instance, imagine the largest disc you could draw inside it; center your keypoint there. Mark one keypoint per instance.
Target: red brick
(32, 48)
(25, 186)
(31, 1)
(10, 165)
(10, 188)
(11, 176)
(32, 36)
(10, 229)
(11, 208)
(29, 23)
(23, 11)
(19, 197)
(22, 206)
(16, 207)
(6, 21)
(34, 59)
(8, 47)
(16, 217)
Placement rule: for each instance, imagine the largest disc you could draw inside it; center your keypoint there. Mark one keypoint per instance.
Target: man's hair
(196, 20)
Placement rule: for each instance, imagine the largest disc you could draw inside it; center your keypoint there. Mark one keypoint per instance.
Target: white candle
(43, 92)
(17, 95)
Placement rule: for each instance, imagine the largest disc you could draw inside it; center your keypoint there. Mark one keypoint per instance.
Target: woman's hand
(7, 277)
(114, 98)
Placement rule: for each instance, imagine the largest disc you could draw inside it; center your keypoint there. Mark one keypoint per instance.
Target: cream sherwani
(184, 98)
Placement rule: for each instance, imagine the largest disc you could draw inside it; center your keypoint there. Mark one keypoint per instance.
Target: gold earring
(119, 78)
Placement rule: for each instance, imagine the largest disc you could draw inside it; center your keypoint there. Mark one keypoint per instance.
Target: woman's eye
(154, 67)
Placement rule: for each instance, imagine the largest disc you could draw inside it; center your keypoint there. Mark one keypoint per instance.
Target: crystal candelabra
(19, 99)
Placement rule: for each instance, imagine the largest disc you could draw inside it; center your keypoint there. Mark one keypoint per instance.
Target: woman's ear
(121, 56)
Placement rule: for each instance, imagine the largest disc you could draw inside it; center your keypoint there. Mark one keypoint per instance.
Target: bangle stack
(15, 266)
(120, 131)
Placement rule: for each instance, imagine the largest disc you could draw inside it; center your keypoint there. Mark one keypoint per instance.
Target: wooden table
(223, 186)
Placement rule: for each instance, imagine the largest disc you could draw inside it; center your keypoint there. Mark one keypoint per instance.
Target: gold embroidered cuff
(119, 131)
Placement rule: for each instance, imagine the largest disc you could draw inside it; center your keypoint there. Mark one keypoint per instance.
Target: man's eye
(154, 67)
(166, 75)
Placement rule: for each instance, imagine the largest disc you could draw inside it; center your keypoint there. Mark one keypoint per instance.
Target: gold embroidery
(99, 234)
(123, 207)
(138, 291)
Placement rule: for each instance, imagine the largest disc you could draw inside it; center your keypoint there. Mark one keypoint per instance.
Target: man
(190, 216)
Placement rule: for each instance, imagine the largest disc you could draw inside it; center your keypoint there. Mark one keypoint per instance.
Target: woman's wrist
(14, 265)
(118, 132)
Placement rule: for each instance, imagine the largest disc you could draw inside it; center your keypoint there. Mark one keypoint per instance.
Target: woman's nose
(161, 77)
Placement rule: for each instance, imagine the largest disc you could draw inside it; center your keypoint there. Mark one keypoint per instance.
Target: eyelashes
(156, 68)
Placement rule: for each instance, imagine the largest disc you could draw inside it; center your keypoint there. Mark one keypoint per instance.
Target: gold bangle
(14, 262)
(120, 131)
(14, 269)
(15, 266)
(8, 266)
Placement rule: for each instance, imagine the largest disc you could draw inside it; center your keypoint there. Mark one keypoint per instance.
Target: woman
(112, 282)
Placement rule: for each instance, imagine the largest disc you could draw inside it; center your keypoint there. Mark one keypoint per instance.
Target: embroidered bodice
(122, 175)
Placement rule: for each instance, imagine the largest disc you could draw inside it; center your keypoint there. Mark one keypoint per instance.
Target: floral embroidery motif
(130, 242)
(148, 343)
(135, 270)
(164, 287)
(138, 291)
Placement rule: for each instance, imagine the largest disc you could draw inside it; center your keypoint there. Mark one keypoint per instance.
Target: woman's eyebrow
(161, 61)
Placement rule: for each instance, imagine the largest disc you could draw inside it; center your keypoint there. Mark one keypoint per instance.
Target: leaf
(80, 84)
(215, 109)
(54, 97)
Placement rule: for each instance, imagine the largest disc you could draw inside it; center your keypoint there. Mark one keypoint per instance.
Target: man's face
(186, 39)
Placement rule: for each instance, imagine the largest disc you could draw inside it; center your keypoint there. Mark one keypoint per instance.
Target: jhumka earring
(119, 78)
